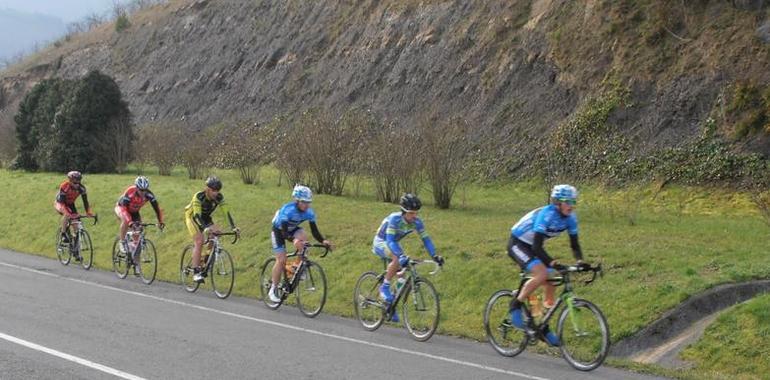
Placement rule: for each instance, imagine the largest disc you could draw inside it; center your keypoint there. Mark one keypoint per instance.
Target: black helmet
(214, 183)
(410, 202)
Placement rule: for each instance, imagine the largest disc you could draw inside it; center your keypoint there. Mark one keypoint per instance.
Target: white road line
(72, 358)
(282, 325)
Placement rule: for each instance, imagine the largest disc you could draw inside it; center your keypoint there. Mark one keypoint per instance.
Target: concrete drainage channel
(661, 342)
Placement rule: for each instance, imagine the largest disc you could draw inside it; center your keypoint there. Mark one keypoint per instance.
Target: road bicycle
(217, 265)
(303, 276)
(141, 254)
(417, 297)
(78, 244)
(582, 328)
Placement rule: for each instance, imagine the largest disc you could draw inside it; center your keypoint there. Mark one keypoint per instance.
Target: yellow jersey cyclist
(525, 247)
(386, 241)
(197, 217)
(286, 227)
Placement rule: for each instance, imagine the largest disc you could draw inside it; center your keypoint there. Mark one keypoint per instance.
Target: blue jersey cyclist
(393, 228)
(525, 247)
(286, 227)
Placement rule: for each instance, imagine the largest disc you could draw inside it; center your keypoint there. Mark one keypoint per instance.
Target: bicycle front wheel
(86, 250)
(186, 270)
(584, 334)
(266, 281)
(421, 310)
(311, 289)
(504, 338)
(119, 260)
(370, 311)
(222, 274)
(62, 249)
(148, 262)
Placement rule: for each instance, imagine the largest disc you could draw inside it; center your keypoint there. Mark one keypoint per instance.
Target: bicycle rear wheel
(186, 270)
(62, 249)
(421, 310)
(266, 280)
(370, 311)
(86, 250)
(119, 260)
(584, 335)
(504, 338)
(311, 289)
(148, 262)
(222, 274)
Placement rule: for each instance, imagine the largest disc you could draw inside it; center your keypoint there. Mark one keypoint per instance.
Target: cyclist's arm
(576, 251)
(85, 202)
(223, 207)
(539, 251)
(285, 229)
(316, 234)
(426, 241)
(156, 207)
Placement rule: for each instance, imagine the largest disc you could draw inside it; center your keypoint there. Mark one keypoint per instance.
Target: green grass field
(657, 250)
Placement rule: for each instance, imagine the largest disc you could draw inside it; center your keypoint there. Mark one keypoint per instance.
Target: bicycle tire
(148, 259)
(86, 250)
(119, 260)
(370, 310)
(186, 270)
(266, 280)
(585, 338)
(421, 309)
(311, 289)
(222, 274)
(62, 249)
(504, 338)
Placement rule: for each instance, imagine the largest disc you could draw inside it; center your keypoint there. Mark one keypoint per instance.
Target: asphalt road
(67, 323)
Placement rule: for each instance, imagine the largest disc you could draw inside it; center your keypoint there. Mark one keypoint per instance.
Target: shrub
(122, 23)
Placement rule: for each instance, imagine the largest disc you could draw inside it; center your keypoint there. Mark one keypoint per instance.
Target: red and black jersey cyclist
(129, 204)
(69, 191)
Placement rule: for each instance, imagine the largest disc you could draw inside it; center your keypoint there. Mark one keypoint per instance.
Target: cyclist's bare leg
(196, 253)
(550, 292)
(280, 263)
(539, 277)
(393, 268)
(123, 229)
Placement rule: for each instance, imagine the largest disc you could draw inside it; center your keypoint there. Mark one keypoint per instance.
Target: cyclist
(197, 216)
(128, 206)
(525, 247)
(286, 227)
(69, 191)
(392, 229)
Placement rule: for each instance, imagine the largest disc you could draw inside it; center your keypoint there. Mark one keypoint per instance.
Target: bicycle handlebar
(423, 262)
(574, 269)
(95, 217)
(208, 232)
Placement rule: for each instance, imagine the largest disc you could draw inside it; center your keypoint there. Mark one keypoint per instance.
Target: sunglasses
(570, 202)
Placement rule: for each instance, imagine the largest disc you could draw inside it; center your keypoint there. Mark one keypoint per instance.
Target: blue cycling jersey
(548, 221)
(394, 228)
(293, 216)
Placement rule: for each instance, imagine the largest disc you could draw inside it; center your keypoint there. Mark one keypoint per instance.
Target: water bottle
(400, 283)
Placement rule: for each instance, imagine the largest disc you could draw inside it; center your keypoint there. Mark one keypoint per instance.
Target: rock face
(493, 62)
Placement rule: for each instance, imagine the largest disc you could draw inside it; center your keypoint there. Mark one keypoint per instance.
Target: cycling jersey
(286, 223)
(200, 209)
(131, 201)
(69, 192)
(392, 229)
(546, 220)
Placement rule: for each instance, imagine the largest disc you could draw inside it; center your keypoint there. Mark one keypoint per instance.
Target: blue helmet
(302, 193)
(142, 183)
(564, 193)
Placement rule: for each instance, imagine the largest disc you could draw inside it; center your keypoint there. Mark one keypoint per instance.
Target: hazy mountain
(19, 31)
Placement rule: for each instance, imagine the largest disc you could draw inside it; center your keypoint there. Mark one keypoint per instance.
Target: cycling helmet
(75, 175)
(564, 193)
(213, 183)
(142, 183)
(302, 193)
(410, 202)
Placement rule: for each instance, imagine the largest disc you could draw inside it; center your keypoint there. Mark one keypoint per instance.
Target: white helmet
(142, 183)
(302, 193)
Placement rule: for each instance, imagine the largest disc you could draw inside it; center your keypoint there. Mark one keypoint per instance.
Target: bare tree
(117, 144)
(445, 147)
(160, 144)
(195, 153)
(245, 146)
(392, 161)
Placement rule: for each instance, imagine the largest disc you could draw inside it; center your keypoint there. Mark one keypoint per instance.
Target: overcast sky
(67, 10)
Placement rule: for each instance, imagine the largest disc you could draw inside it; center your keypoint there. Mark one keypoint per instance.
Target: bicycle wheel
(148, 262)
(584, 334)
(504, 338)
(266, 280)
(222, 274)
(119, 261)
(311, 289)
(420, 310)
(370, 311)
(86, 250)
(62, 249)
(186, 270)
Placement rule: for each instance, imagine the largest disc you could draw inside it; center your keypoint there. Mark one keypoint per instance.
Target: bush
(160, 144)
(389, 159)
(245, 146)
(446, 147)
(122, 23)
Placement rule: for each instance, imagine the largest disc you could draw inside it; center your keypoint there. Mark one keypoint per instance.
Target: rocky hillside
(512, 67)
